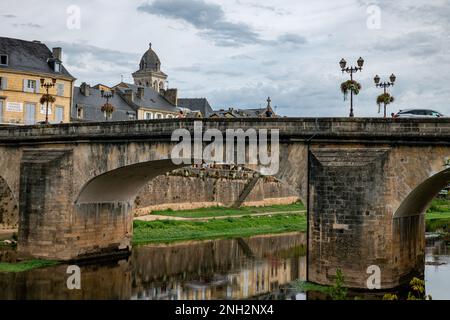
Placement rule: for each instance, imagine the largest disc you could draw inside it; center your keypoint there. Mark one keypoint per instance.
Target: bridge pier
(52, 226)
(351, 225)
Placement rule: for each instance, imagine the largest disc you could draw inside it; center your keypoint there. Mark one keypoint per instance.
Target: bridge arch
(417, 201)
(408, 226)
(123, 184)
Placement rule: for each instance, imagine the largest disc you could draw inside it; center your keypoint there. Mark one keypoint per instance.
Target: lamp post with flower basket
(351, 85)
(107, 108)
(47, 97)
(384, 98)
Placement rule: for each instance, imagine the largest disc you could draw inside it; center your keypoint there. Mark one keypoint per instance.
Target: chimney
(171, 95)
(140, 92)
(57, 53)
(84, 89)
(128, 94)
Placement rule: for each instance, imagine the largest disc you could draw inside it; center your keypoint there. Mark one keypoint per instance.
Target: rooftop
(29, 56)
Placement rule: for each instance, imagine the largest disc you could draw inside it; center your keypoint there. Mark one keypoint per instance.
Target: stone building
(145, 99)
(266, 112)
(88, 101)
(23, 64)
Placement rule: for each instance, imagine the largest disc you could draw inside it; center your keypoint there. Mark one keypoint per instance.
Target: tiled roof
(32, 56)
(151, 99)
(92, 103)
(196, 104)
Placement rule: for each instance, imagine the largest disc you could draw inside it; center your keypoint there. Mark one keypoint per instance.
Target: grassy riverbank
(437, 217)
(26, 265)
(166, 231)
(224, 211)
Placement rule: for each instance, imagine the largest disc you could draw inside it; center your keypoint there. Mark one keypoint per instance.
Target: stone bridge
(366, 182)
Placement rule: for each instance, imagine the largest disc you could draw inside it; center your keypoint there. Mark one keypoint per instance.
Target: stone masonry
(369, 182)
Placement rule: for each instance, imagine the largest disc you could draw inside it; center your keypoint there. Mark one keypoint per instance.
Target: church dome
(150, 61)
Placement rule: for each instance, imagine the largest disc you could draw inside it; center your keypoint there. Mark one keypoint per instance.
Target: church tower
(149, 73)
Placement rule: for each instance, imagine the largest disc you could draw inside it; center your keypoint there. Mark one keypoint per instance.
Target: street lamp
(385, 98)
(107, 108)
(47, 98)
(351, 70)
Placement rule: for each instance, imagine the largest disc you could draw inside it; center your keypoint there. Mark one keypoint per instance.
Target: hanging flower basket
(384, 98)
(350, 85)
(108, 108)
(47, 98)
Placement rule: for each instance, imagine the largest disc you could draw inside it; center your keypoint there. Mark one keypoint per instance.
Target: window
(57, 67)
(3, 83)
(30, 86)
(131, 116)
(79, 112)
(59, 114)
(159, 116)
(60, 89)
(3, 59)
(148, 115)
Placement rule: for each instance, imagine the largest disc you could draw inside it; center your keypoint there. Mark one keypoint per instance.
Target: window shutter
(38, 84)
(4, 82)
(25, 85)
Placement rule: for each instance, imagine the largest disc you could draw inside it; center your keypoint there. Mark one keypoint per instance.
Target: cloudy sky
(238, 52)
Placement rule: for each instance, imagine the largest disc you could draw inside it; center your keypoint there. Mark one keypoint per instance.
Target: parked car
(418, 113)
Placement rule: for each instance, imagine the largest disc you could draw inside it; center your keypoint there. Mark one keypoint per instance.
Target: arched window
(148, 115)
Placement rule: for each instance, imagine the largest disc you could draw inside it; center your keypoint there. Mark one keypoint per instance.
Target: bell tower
(149, 73)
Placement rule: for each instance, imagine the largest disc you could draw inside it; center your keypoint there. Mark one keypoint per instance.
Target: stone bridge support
(366, 211)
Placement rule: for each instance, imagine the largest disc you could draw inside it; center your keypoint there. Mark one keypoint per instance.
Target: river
(262, 267)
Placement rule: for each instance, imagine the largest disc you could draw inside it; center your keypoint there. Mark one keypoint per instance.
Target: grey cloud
(419, 44)
(95, 64)
(207, 70)
(27, 25)
(76, 52)
(276, 10)
(291, 39)
(9, 16)
(208, 18)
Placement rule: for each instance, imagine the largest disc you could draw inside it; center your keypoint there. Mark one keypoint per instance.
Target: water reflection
(437, 269)
(259, 267)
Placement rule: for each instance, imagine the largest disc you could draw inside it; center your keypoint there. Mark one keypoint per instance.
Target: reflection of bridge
(370, 180)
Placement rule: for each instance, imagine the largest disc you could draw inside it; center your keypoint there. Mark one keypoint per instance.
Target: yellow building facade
(20, 95)
(22, 66)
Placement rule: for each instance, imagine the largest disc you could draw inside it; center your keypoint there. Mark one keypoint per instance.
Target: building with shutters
(22, 66)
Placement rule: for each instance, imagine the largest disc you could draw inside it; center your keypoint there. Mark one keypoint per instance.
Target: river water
(263, 267)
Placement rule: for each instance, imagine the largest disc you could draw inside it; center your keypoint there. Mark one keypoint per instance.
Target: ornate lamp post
(384, 98)
(107, 108)
(351, 85)
(47, 98)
